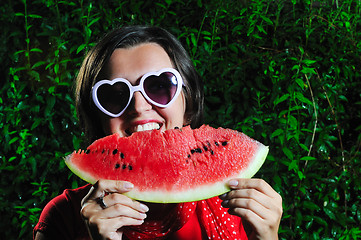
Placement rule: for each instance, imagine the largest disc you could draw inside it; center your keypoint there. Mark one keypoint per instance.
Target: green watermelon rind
(204, 191)
(83, 175)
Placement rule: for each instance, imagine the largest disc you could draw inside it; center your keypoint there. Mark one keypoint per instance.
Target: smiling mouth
(143, 127)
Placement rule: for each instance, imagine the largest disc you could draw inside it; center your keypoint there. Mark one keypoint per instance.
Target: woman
(129, 55)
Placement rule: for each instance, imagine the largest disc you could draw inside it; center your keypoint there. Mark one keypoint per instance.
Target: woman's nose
(139, 103)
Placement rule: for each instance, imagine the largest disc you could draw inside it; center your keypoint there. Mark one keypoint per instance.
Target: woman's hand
(106, 210)
(258, 204)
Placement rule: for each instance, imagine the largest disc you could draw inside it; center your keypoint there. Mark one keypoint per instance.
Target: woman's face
(132, 64)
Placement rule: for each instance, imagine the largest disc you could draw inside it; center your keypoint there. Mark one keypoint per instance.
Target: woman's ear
(186, 120)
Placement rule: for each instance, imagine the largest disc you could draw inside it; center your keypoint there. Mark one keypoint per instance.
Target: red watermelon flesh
(178, 165)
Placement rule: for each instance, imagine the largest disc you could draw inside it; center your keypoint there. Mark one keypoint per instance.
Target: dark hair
(94, 65)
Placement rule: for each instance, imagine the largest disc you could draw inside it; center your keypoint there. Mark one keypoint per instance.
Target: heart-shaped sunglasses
(159, 88)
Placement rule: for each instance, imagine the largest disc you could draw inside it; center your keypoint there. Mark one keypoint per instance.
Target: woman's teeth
(145, 127)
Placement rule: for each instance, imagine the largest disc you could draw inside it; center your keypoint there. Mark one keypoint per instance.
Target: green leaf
(301, 50)
(310, 205)
(49, 106)
(288, 153)
(13, 140)
(308, 62)
(295, 67)
(49, 65)
(308, 158)
(34, 16)
(293, 122)
(307, 70)
(300, 83)
(56, 68)
(94, 21)
(36, 123)
(193, 40)
(281, 99)
(267, 20)
(36, 50)
(80, 48)
(321, 221)
(261, 29)
(302, 98)
(277, 133)
(18, 52)
(233, 48)
(38, 64)
(329, 213)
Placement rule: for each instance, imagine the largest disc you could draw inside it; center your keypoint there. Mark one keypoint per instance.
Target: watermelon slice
(178, 165)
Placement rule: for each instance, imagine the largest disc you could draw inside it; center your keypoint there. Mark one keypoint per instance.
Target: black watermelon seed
(205, 148)
(124, 166)
(103, 151)
(115, 151)
(224, 143)
(193, 151)
(216, 144)
(130, 167)
(122, 155)
(117, 165)
(198, 150)
(176, 127)
(209, 144)
(189, 156)
(212, 152)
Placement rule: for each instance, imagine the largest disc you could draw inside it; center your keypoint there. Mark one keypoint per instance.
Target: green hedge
(284, 72)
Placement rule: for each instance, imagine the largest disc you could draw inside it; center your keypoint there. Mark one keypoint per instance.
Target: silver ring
(101, 202)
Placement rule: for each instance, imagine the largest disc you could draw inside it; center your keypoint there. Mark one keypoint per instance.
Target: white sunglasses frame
(137, 88)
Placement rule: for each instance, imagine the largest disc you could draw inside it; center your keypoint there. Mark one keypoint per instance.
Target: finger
(125, 217)
(259, 191)
(256, 224)
(117, 205)
(251, 194)
(111, 186)
(247, 216)
(119, 210)
(108, 228)
(115, 198)
(252, 183)
(101, 187)
(113, 224)
(248, 204)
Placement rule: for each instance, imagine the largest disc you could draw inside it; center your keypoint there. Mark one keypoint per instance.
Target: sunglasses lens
(162, 88)
(114, 98)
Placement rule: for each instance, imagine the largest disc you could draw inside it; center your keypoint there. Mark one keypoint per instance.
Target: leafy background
(284, 72)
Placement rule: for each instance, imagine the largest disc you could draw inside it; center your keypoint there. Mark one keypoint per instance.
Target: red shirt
(61, 219)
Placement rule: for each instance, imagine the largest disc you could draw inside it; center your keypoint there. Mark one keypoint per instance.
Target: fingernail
(233, 183)
(225, 202)
(143, 215)
(128, 185)
(144, 207)
(223, 196)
